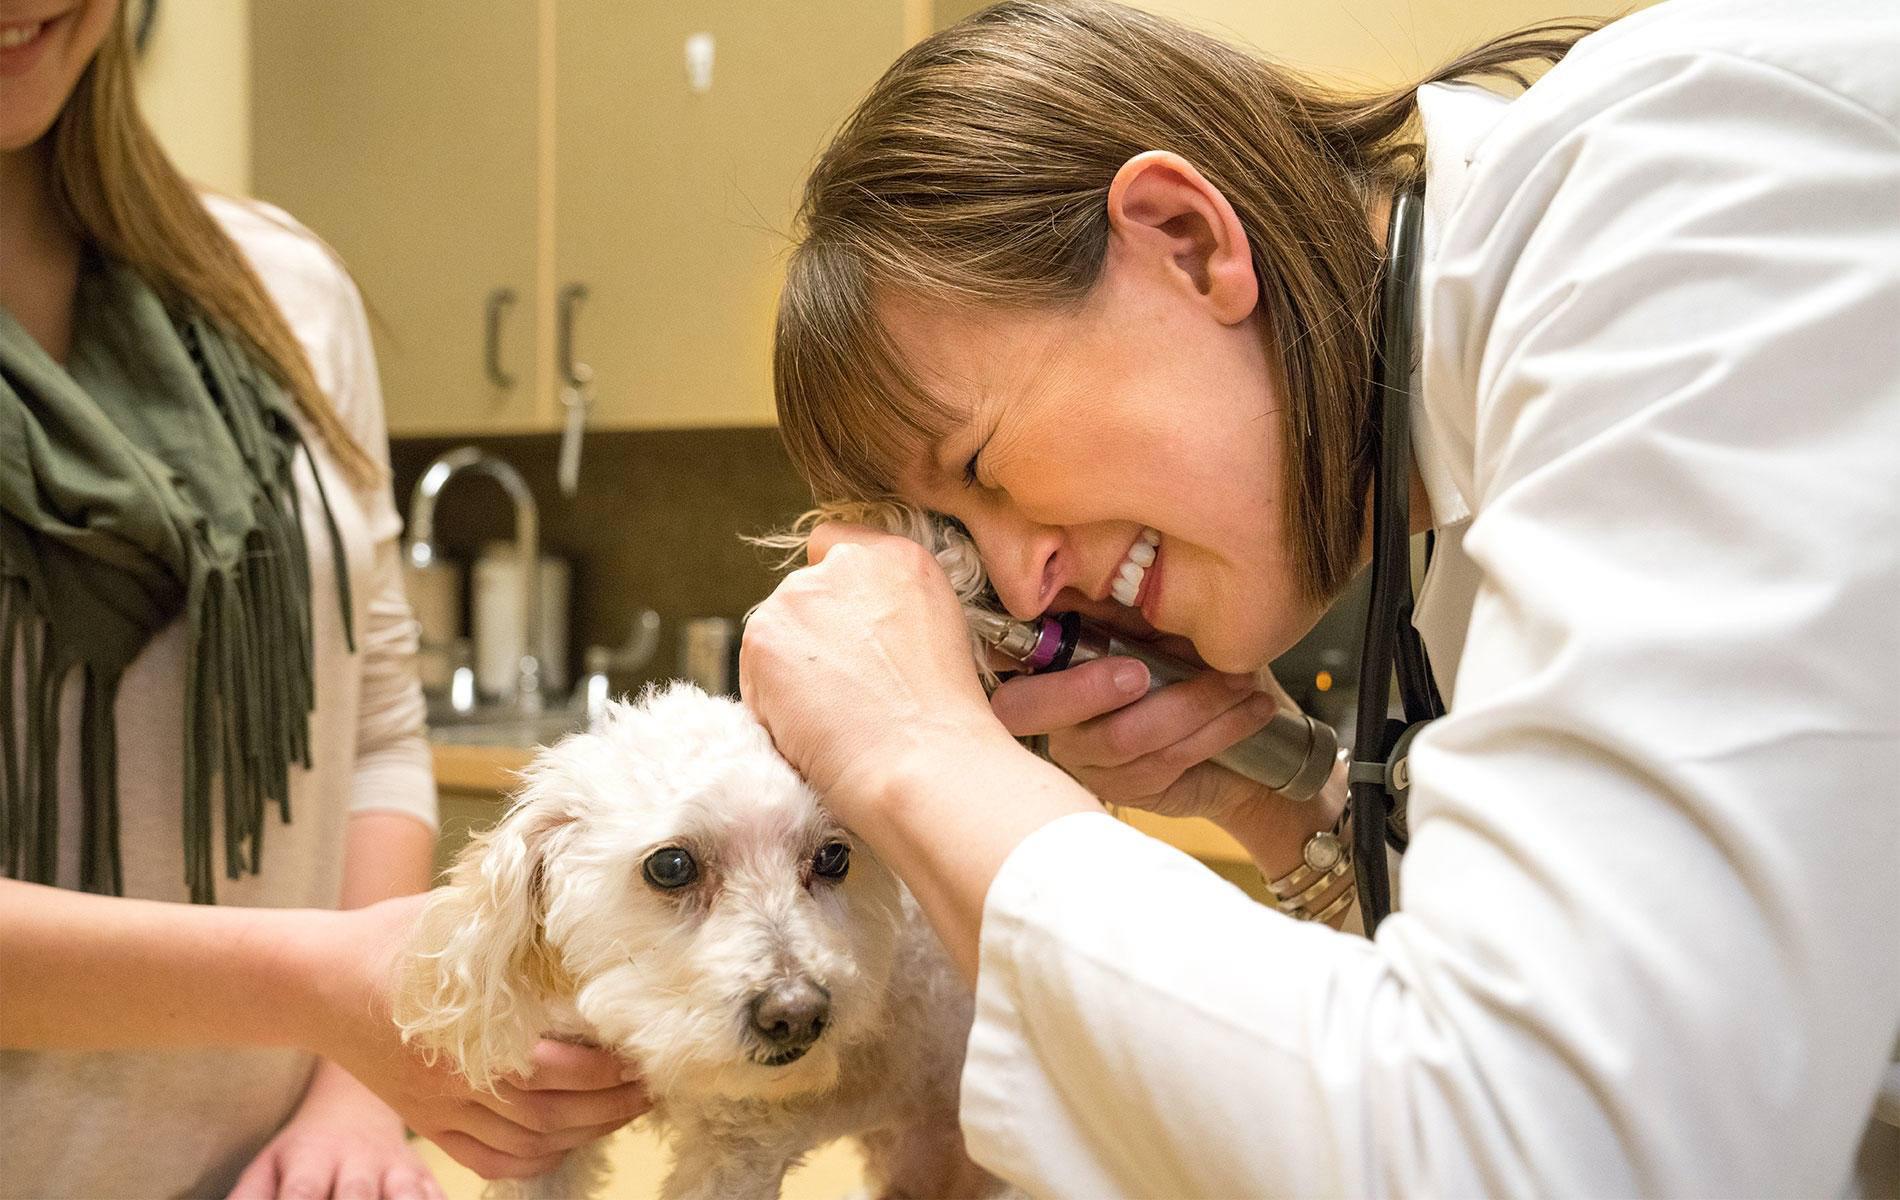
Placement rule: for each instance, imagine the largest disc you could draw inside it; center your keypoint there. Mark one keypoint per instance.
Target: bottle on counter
(497, 621)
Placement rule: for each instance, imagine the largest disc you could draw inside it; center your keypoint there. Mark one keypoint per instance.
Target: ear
(1164, 216)
(479, 972)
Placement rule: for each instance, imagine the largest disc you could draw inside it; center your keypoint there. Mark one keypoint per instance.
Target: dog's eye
(832, 860)
(670, 868)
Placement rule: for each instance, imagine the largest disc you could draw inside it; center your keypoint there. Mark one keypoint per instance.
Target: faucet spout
(422, 549)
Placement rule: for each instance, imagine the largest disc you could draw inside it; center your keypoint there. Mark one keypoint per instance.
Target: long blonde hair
(976, 172)
(119, 191)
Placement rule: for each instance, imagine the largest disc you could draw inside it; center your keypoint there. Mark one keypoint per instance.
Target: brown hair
(977, 172)
(117, 189)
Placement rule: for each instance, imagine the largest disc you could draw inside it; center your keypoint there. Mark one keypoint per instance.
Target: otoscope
(1293, 755)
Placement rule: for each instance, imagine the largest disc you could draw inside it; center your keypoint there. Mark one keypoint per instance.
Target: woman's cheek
(1240, 626)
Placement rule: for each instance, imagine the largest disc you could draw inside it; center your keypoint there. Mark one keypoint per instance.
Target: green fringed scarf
(150, 476)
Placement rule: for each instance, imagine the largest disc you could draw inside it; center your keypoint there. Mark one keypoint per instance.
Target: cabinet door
(673, 206)
(405, 135)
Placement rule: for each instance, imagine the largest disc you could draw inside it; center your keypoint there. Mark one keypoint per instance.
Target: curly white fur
(953, 549)
(549, 926)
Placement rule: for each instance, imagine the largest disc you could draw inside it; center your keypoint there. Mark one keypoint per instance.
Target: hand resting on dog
(570, 1094)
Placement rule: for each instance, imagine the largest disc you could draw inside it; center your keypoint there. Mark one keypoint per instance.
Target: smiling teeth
(19, 35)
(1134, 568)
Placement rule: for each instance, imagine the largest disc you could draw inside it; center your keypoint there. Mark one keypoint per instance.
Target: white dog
(668, 888)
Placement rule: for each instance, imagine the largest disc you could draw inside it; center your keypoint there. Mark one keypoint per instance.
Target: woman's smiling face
(1138, 409)
(44, 48)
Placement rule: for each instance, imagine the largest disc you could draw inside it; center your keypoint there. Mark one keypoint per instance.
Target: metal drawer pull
(575, 396)
(498, 300)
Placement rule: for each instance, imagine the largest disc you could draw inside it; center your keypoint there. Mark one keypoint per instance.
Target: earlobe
(1164, 212)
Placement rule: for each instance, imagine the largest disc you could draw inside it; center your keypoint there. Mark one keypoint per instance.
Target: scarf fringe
(13, 805)
(250, 671)
(21, 780)
(252, 661)
(30, 833)
(100, 869)
(250, 681)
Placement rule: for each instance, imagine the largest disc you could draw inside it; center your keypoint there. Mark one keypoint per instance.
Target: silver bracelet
(1325, 858)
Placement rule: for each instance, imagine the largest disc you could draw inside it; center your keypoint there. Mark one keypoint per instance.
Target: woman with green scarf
(203, 639)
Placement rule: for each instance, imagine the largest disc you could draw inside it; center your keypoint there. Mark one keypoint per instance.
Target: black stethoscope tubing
(1378, 777)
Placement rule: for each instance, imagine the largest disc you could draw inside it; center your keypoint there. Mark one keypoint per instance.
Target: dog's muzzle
(788, 1017)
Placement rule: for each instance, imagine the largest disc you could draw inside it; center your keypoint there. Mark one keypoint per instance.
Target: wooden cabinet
(673, 205)
(406, 136)
(448, 151)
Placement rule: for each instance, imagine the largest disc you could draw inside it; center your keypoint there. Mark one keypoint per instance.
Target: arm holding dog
(93, 972)
(90, 972)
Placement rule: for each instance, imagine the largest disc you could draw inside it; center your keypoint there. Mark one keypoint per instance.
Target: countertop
(460, 768)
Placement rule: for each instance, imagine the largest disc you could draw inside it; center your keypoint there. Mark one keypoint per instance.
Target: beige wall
(1377, 43)
(195, 88)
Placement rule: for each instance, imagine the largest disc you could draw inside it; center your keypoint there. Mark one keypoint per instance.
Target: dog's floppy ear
(479, 971)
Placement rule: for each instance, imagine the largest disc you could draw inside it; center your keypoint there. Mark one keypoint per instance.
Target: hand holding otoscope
(1293, 755)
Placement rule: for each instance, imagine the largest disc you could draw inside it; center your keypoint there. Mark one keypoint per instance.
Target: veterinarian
(1072, 274)
(177, 374)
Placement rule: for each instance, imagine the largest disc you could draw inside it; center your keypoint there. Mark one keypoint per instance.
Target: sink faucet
(422, 551)
(591, 697)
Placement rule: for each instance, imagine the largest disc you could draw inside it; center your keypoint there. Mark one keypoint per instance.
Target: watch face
(1323, 852)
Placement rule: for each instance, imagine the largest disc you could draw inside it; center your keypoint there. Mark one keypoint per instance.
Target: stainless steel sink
(501, 726)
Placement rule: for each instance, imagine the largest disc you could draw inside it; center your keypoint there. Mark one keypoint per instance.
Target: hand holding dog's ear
(854, 656)
(569, 1096)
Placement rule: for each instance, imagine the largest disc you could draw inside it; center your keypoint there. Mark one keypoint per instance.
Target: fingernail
(1131, 678)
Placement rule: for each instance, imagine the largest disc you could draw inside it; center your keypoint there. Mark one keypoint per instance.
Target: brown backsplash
(656, 524)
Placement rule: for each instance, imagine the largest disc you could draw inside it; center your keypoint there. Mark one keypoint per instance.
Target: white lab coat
(1648, 943)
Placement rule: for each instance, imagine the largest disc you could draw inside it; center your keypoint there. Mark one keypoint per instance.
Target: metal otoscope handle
(1294, 755)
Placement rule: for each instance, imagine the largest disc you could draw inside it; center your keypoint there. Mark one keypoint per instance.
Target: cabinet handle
(498, 300)
(575, 374)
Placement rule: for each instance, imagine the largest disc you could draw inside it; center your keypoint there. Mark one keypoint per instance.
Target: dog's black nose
(791, 1014)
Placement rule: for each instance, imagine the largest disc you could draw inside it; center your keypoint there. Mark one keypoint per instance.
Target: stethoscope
(1379, 775)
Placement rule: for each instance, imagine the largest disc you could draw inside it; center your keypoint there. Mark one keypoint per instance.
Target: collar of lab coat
(1457, 120)
(1457, 117)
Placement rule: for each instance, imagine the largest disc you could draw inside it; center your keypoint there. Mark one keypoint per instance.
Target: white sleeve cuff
(398, 778)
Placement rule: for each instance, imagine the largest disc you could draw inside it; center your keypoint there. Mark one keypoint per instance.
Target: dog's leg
(924, 1159)
(581, 1175)
(709, 1167)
